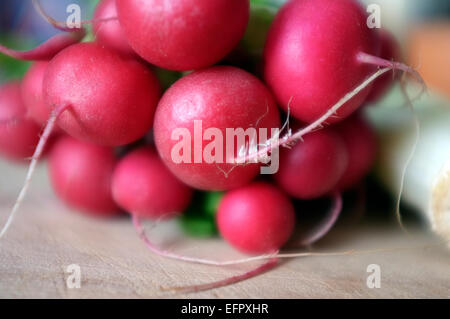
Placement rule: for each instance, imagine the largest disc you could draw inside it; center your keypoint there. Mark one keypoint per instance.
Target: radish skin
(143, 186)
(19, 134)
(361, 145)
(48, 49)
(81, 175)
(221, 97)
(110, 33)
(310, 57)
(312, 168)
(32, 93)
(199, 33)
(111, 99)
(257, 218)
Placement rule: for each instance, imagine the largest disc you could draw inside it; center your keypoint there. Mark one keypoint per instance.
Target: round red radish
(19, 135)
(314, 166)
(361, 144)
(32, 93)
(217, 98)
(389, 51)
(310, 57)
(183, 35)
(111, 99)
(110, 33)
(81, 175)
(143, 186)
(257, 218)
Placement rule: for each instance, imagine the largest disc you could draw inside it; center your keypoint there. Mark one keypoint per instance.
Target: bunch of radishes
(321, 63)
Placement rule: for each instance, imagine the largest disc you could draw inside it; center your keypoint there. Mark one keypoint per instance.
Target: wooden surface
(47, 237)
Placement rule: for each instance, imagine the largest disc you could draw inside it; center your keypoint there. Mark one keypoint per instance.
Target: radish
(108, 99)
(361, 144)
(257, 218)
(81, 175)
(183, 35)
(110, 33)
(19, 135)
(312, 168)
(220, 97)
(32, 93)
(389, 51)
(143, 186)
(310, 58)
(96, 95)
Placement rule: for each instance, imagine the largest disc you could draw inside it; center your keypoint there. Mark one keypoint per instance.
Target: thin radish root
(48, 49)
(36, 156)
(272, 260)
(165, 253)
(272, 263)
(416, 124)
(291, 139)
(380, 62)
(325, 225)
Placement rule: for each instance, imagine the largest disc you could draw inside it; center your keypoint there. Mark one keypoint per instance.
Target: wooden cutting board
(46, 238)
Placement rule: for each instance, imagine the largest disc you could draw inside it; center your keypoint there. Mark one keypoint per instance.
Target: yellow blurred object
(429, 52)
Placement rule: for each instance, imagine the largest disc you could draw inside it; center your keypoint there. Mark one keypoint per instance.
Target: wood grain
(47, 237)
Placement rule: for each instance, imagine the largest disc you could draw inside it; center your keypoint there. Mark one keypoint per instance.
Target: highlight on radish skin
(299, 66)
(110, 99)
(81, 175)
(19, 134)
(199, 35)
(110, 33)
(257, 218)
(143, 186)
(313, 167)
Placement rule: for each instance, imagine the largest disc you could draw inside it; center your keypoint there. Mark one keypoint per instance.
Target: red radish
(311, 56)
(221, 97)
(19, 135)
(257, 218)
(109, 99)
(110, 33)
(48, 49)
(361, 145)
(183, 35)
(389, 51)
(143, 186)
(96, 95)
(313, 167)
(81, 175)
(32, 93)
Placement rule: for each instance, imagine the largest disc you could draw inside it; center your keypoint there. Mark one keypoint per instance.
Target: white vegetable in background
(427, 180)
